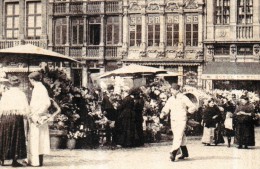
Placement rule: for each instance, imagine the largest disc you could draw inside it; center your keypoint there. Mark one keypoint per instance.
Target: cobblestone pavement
(156, 156)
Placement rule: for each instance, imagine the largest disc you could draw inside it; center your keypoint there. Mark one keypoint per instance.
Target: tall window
(191, 28)
(153, 30)
(94, 34)
(60, 31)
(34, 20)
(112, 30)
(12, 20)
(222, 12)
(77, 31)
(245, 11)
(172, 30)
(135, 29)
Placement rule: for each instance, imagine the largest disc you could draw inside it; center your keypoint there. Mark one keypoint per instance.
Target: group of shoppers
(24, 132)
(229, 117)
(126, 117)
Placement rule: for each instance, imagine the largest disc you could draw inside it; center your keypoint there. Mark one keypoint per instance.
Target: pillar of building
(50, 32)
(199, 77)
(125, 28)
(210, 33)
(181, 29)
(162, 30)
(21, 19)
(143, 40)
(84, 76)
(200, 30)
(233, 20)
(102, 37)
(208, 85)
(1, 20)
(67, 50)
(180, 76)
(256, 20)
(120, 29)
(44, 18)
(85, 30)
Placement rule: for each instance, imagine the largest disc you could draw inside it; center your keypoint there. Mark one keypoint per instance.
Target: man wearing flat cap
(178, 105)
(39, 140)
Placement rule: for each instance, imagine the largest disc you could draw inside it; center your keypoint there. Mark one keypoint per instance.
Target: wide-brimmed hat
(14, 80)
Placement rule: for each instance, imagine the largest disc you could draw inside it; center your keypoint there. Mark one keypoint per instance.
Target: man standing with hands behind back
(178, 105)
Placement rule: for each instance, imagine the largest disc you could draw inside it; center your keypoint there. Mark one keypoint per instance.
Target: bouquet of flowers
(59, 122)
(76, 135)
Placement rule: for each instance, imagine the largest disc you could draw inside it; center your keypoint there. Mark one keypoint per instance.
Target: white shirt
(40, 101)
(178, 107)
(14, 101)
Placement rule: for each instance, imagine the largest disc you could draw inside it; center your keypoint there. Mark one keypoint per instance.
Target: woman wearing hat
(14, 109)
(39, 139)
(244, 126)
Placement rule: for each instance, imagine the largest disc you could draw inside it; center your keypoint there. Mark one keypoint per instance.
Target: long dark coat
(126, 123)
(244, 126)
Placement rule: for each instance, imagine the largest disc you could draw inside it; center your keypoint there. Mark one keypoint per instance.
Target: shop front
(231, 75)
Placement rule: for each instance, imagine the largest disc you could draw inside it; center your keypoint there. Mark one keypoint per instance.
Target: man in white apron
(39, 139)
(178, 105)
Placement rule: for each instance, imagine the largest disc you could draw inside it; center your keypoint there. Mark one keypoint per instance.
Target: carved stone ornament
(142, 54)
(124, 53)
(190, 4)
(256, 49)
(180, 54)
(171, 6)
(153, 7)
(160, 54)
(134, 6)
(210, 49)
(199, 54)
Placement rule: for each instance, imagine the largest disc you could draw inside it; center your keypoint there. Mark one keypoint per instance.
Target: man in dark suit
(109, 111)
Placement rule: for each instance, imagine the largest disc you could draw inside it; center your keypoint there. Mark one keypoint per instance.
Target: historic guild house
(207, 43)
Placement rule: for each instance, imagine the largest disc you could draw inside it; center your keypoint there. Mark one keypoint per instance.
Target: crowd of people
(125, 117)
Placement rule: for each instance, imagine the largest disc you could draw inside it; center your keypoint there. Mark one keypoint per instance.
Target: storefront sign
(230, 77)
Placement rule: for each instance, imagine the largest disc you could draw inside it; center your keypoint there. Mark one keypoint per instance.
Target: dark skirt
(245, 134)
(218, 134)
(229, 133)
(12, 137)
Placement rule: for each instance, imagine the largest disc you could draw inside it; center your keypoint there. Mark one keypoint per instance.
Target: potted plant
(73, 136)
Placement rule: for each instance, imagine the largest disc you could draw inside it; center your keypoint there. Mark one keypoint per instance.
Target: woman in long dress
(211, 117)
(14, 110)
(39, 138)
(126, 122)
(244, 126)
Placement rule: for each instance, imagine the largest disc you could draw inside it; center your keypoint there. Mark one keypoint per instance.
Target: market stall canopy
(131, 70)
(232, 71)
(168, 74)
(27, 53)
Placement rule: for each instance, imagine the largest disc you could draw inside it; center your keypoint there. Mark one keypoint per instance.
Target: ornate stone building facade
(105, 34)
(231, 41)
